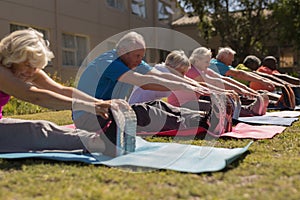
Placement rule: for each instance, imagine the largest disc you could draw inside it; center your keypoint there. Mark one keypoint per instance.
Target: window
(119, 4)
(164, 12)
(74, 49)
(15, 27)
(139, 8)
(286, 58)
(163, 55)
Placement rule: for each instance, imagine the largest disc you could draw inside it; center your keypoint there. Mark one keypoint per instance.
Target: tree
(244, 25)
(287, 13)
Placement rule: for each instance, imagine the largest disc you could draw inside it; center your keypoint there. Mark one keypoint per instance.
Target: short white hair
(224, 52)
(199, 53)
(129, 42)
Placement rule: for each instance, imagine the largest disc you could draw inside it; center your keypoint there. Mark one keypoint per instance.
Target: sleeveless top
(180, 97)
(4, 98)
(140, 95)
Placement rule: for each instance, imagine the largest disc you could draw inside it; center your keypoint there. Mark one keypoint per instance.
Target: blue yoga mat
(154, 155)
(268, 120)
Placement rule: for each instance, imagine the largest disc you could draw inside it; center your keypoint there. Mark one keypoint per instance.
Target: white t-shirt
(140, 95)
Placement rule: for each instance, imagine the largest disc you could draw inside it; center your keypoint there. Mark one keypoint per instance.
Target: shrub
(18, 107)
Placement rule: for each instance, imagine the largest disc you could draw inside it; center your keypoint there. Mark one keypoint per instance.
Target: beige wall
(91, 18)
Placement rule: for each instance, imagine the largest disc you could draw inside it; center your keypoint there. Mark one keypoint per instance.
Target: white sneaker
(217, 115)
(121, 141)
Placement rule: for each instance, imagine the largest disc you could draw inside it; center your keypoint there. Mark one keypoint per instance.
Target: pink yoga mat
(242, 130)
(183, 132)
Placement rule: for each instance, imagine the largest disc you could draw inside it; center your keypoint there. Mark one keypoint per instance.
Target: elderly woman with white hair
(23, 55)
(201, 71)
(176, 63)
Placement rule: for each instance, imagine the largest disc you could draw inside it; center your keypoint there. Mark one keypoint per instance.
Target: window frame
(163, 5)
(74, 50)
(140, 14)
(117, 2)
(23, 26)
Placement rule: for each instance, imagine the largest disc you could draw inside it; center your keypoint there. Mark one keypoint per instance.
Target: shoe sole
(257, 108)
(126, 131)
(130, 132)
(266, 103)
(216, 120)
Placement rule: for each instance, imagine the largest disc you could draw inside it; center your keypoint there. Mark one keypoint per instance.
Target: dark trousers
(297, 94)
(153, 116)
(161, 116)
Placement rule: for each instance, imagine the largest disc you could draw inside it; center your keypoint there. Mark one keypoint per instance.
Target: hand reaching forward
(232, 94)
(269, 85)
(102, 107)
(203, 91)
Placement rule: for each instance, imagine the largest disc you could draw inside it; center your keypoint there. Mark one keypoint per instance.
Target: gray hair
(25, 45)
(177, 58)
(129, 42)
(224, 52)
(199, 53)
(252, 62)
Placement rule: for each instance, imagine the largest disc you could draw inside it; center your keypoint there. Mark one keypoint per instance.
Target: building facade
(75, 27)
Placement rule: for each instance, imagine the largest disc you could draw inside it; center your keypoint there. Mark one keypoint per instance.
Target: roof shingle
(186, 20)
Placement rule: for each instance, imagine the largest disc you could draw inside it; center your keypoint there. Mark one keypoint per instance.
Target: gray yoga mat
(268, 120)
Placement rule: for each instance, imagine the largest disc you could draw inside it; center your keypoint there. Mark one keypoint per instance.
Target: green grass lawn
(270, 170)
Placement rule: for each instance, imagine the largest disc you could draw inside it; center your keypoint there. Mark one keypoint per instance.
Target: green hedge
(19, 107)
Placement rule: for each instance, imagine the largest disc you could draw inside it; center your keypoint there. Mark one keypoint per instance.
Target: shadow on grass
(230, 165)
(17, 164)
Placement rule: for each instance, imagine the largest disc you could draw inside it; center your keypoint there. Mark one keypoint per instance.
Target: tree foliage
(287, 14)
(247, 26)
